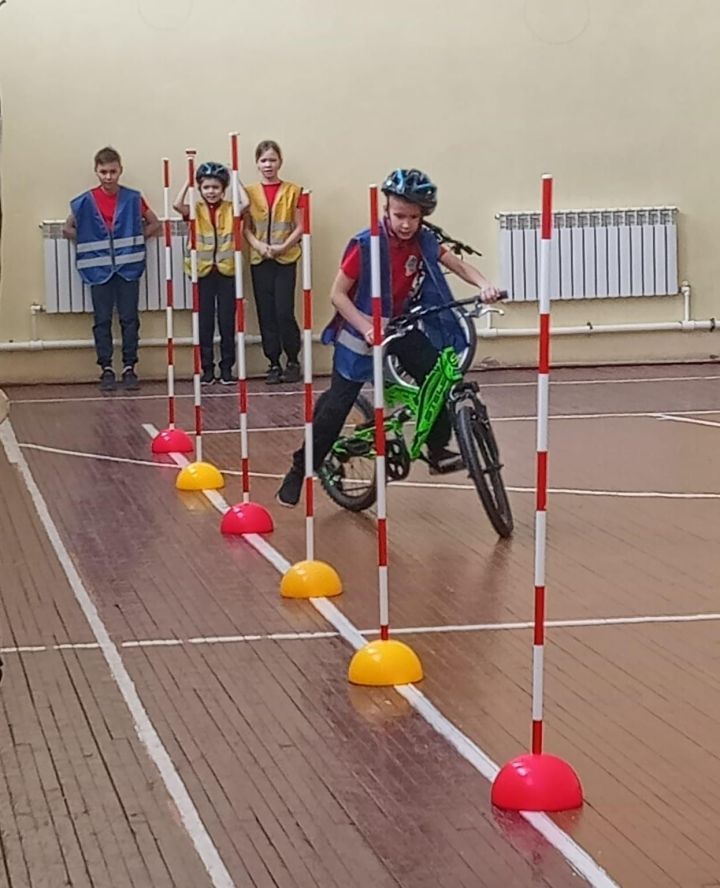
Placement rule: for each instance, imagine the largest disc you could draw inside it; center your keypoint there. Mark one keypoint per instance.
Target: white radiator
(65, 291)
(593, 253)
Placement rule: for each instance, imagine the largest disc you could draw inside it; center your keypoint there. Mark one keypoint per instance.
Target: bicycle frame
(426, 403)
(423, 404)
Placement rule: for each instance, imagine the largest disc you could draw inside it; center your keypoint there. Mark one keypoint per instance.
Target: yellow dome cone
(385, 663)
(310, 579)
(199, 476)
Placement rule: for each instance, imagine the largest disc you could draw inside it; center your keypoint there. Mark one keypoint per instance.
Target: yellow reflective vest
(215, 247)
(274, 226)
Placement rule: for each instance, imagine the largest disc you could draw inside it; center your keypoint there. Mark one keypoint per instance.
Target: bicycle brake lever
(483, 309)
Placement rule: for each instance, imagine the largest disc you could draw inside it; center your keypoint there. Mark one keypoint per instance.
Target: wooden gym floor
(168, 720)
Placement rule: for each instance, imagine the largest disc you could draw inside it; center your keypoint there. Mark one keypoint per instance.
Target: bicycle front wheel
(348, 473)
(482, 459)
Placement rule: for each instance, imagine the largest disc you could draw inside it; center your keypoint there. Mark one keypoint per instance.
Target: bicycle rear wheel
(482, 459)
(348, 477)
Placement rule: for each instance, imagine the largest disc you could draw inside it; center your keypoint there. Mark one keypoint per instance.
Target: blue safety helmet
(212, 170)
(413, 186)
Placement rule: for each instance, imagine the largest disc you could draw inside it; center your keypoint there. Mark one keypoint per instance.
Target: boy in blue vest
(109, 225)
(407, 250)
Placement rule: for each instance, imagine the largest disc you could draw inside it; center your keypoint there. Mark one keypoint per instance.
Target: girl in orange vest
(274, 230)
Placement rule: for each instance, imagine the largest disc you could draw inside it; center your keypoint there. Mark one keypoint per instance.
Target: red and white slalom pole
(379, 404)
(307, 378)
(540, 782)
(240, 319)
(170, 439)
(541, 465)
(384, 662)
(309, 578)
(197, 368)
(245, 517)
(169, 292)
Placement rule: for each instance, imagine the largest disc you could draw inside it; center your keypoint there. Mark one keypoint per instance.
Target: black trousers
(217, 299)
(105, 297)
(274, 287)
(417, 355)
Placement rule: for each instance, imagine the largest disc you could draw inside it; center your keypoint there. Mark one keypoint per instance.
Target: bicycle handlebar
(401, 325)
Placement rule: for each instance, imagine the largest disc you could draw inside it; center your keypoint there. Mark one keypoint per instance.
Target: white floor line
(644, 414)
(585, 623)
(295, 428)
(669, 417)
(298, 392)
(625, 381)
(162, 396)
(104, 457)
(579, 859)
(568, 491)
(144, 728)
(437, 485)
(84, 454)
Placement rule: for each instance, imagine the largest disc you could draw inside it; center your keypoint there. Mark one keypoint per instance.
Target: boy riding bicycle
(409, 253)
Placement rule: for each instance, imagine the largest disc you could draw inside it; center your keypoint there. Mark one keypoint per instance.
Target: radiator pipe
(488, 333)
(685, 290)
(589, 328)
(58, 344)
(686, 325)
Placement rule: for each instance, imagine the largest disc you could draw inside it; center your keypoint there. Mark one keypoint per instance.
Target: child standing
(407, 251)
(109, 225)
(215, 266)
(274, 232)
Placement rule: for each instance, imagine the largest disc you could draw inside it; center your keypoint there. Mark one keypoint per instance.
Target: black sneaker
(292, 372)
(129, 379)
(227, 378)
(108, 383)
(288, 493)
(444, 461)
(274, 375)
(208, 377)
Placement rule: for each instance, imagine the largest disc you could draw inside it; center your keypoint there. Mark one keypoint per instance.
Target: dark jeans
(123, 294)
(417, 355)
(217, 296)
(274, 286)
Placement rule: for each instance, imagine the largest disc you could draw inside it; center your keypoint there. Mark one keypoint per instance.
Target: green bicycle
(348, 472)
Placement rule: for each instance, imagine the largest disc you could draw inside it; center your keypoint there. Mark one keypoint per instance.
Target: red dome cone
(537, 783)
(172, 441)
(246, 518)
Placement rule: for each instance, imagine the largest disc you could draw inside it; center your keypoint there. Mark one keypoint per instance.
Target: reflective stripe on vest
(215, 244)
(273, 226)
(353, 358)
(101, 253)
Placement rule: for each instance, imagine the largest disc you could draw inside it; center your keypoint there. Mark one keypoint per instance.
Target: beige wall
(615, 98)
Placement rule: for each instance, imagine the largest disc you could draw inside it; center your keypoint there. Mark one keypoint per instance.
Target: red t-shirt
(271, 192)
(107, 204)
(405, 259)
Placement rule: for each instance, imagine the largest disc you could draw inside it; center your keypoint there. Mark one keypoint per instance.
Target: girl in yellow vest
(215, 267)
(274, 231)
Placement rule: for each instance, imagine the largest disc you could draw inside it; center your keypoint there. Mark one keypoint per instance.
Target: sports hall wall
(614, 98)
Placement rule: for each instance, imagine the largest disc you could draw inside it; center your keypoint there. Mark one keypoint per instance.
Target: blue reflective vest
(101, 253)
(353, 357)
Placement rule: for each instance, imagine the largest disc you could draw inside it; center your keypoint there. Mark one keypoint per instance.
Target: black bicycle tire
(479, 452)
(393, 373)
(353, 504)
